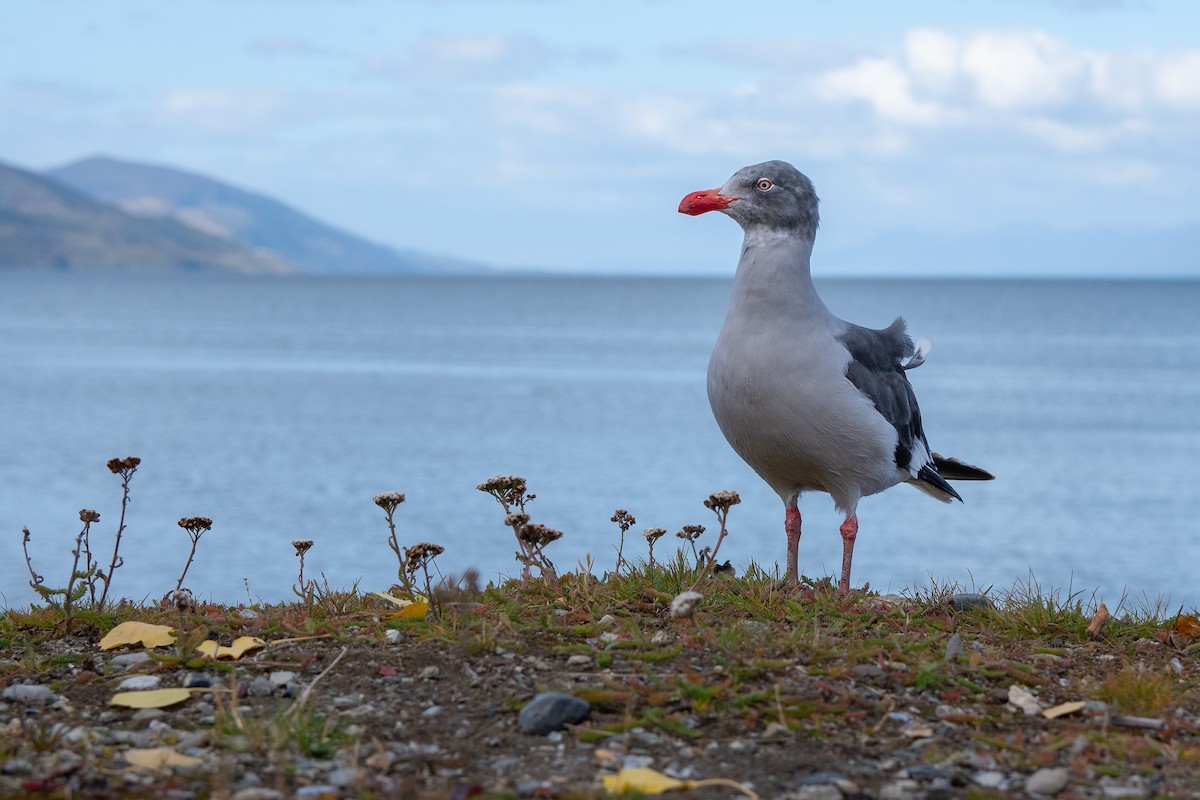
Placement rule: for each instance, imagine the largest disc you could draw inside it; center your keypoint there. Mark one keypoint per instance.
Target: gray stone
(257, 793)
(318, 792)
(1123, 792)
(819, 791)
(126, 660)
(954, 648)
(345, 776)
(432, 711)
(817, 778)
(197, 680)
(903, 789)
(393, 636)
(30, 693)
(261, 687)
(579, 660)
(429, 673)
(139, 683)
(552, 711)
(281, 677)
(965, 601)
(1048, 781)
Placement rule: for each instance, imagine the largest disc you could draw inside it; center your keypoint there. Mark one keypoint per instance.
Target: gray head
(773, 194)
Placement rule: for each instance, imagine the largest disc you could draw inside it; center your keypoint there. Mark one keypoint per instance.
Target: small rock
(432, 711)
(393, 636)
(867, 671)
(954, 648)
(345, 776)
(776, 732)
(988, 779)
(30, 693)
(684, 604)
(1122, 792)
(139, 683)
(248, 613)
(257, 793)
(579, 660)
(903, 789)
(552, 711)
(16, 766)
(1023, 699)
(347, 700)
(820, 791)
(126, 660)
(818, 778)
(607, 621)
(661, 638)
(608, 637)
(965, 601)
(197, 680)
(429, 673)
(281, 677)
(1048, 781)
(1176, 666)
(318, 792)
(261, 687)
(753, 627)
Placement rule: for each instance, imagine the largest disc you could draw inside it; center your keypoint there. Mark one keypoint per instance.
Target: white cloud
(1178, 81)
(1022, 70)
(887, 87)
(487, 57)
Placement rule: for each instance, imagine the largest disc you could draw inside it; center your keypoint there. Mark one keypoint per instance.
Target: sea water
(280, 407)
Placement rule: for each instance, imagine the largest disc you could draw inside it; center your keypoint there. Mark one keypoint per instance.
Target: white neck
(774, 275)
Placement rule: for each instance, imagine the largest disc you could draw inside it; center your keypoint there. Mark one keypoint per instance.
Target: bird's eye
(764, 185)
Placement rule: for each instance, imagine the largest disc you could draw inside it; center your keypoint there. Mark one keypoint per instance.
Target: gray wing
(877, 369)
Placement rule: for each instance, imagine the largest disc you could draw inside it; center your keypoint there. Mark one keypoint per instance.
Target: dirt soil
(402, 713)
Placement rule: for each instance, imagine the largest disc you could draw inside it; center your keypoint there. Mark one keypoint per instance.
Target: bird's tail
(954, 470)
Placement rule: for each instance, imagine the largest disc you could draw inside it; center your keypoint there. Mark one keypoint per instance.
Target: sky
(562, 135)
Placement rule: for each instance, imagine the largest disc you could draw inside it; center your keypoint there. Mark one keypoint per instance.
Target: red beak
(708, 200)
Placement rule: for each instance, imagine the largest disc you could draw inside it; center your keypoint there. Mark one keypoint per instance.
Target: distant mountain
(235, 214)
(1026, 251)
(45, 224)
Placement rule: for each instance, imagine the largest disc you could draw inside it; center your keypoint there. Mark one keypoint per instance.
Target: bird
(810, 401)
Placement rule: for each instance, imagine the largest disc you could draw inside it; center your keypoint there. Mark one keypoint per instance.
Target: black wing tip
(929, 476)
(953, 469)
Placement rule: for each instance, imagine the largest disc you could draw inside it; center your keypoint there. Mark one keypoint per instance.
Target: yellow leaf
(642, 779)
(1064, 708)
(1188, 626)
(138, 633)
(239, 648)
(409, 609)
(159, 757)
(155, 698)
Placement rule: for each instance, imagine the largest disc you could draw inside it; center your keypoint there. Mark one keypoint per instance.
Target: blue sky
(562, 135)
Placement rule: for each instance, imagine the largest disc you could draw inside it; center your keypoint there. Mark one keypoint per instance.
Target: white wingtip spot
(920, 354)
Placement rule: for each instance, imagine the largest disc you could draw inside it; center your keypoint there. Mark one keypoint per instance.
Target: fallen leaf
(409, 609)
(138, 633)
(239, 648)
(642, 779)
(1187, 625)
(155, 698)
(648, 781)
(159, 757)
(1097, 623)
(387, 672)
(1064, 708)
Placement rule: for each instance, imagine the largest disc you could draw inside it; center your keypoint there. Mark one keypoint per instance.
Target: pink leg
(791, 524)
(849, 534)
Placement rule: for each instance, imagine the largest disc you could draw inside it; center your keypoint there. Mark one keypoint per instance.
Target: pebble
(432, 711)
(30, 693)
(551, 711)
(607, 621)
(126, 660)
(345, 776)
(139, 683)
(318, 792)
(661, 638)
(988, 779)
(429, 673)
(903, 789)
(579, 660)
(820, 791)
(257, 793)
(281, 677)
(954, 648)
(197, 680)
(261, 687)
(1048, 780)
(1122, 792)
(393, 636)
(964, 601)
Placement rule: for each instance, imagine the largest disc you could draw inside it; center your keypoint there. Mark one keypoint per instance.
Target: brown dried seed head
(389, 500)
(504, 484)
(691, 532)
(119, 465)
(423, 551)
(624, 519)
(654, 534)
(516, 519)
(539, 535)
(88, 515)
(722, 500)
(195, 524)
(302, 545)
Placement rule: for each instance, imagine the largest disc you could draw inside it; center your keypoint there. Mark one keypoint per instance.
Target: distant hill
(218, 209)
(44, 224)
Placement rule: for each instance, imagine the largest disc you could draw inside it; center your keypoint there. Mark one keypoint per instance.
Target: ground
(785, 693)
